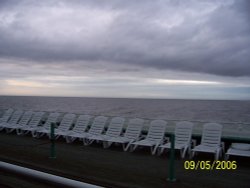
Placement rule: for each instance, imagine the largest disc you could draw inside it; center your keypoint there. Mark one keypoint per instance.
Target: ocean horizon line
(136, 98)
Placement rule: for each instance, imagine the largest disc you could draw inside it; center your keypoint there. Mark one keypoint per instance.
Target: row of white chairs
(29, 122)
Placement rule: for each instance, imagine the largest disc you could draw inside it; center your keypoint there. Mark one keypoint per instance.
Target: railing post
(171, 168)
(52, 139)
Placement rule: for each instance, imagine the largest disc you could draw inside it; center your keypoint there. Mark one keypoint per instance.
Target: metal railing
(44, 177)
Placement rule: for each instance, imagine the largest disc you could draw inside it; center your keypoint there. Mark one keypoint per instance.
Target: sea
(169, 109)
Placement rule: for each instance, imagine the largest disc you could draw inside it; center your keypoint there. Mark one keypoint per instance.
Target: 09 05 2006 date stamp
(210, 165)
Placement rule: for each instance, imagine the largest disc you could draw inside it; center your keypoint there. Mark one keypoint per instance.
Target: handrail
(45, 177)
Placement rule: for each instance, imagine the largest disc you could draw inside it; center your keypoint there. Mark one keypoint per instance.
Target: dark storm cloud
(194, 36)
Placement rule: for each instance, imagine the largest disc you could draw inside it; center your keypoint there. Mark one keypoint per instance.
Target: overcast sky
(194, 49)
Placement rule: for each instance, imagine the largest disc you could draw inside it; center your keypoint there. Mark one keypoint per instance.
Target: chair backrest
(66, 122)
(183, 132)
(98, 124)
(6, 116)
(35, 120)
(52, 118)
(15, 117)
(115, 127)
(211, 134)
(82, 123)
(156, 130)
(134, 128)
(25, 118)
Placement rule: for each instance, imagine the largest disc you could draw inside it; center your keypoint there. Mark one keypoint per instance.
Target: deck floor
(111, 167)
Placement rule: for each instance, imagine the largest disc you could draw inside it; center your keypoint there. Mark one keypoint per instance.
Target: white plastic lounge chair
(13, 120)
(114, 130)
(64, 126)
(6, 116)
(33, 124)
(154, 137)
(79, 128)
(41, 130)
(23, 121)
(4, 119)
(183, 134)
(96, 128)
(210, 141)
(132, 134)
(238, 149)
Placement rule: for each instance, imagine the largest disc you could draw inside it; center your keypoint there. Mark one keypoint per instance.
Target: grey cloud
(217, 42)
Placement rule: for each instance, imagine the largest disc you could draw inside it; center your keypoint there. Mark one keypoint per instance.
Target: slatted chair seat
(238, 149)
(33, 124)
(6, 116)
(183, 134)
(210, 141)
(154, 137)
(114, 130)
(96, 128)
(79, 128)
(64, 126)
(13, 120)
(22, 122)
(45, 129)
(132, 134)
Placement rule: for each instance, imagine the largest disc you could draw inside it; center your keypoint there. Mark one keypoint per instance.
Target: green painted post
(52, 139)
(171, 168)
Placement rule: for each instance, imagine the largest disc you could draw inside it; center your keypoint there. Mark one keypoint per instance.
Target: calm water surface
(204, 110)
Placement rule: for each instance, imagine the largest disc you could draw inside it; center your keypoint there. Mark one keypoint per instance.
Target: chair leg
(39, 135)
(9, 130)
(183, 152)
(68, 139)
(189, 149)
(223, 146)
(154, 149)
(133, 147)
(226, 157)
(220, 153)
(192, 153)
(57, 136)
(19, 132)
(126, 147)
(217, 155)
(34, 134)
(87, 142)
(72, 139)
(106, 144)
(160, 151)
